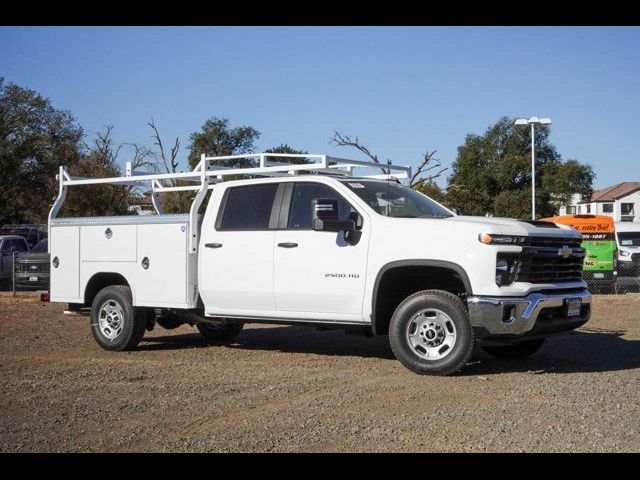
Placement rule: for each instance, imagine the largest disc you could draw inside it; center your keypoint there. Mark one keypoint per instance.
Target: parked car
(32, 233)
(628, 237)
(32, 268)
(8, 245)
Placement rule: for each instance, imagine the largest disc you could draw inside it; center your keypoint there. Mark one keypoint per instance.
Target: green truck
(599, 241)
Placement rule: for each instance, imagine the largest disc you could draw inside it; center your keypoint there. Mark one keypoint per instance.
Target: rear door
(236, 258)
(318, 272)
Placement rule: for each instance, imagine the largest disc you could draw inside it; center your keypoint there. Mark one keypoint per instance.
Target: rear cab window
(247, 207)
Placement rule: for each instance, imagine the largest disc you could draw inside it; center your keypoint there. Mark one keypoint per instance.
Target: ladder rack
(206, 174)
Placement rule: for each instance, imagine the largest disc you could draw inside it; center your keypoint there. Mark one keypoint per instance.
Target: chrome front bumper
(518, 315)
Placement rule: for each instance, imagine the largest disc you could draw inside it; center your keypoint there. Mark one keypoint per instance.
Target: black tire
(451, 305)
(128, 330)
(220, 333)
(515, 351)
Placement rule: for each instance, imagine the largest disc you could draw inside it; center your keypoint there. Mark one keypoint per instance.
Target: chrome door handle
(288, 245)
(213, 245)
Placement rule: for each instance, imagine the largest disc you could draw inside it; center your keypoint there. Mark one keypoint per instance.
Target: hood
(33, 257)
(510, 226)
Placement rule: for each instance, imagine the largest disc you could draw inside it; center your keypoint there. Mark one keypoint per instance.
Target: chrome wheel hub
(431, 334)
(111, 319)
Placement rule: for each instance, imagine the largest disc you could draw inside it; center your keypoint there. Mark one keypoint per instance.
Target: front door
(318, 272)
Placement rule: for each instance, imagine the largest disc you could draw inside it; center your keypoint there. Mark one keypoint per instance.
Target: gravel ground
(280, 388)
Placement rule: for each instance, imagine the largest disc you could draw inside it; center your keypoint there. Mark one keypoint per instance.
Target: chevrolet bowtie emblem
(565, 251)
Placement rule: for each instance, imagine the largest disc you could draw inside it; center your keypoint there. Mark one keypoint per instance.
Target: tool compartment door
(65, 252)
(108, 243)
(163, 249)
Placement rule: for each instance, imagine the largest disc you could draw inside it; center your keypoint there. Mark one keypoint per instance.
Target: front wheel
(516, 351)
(221, 332)
(430, 333)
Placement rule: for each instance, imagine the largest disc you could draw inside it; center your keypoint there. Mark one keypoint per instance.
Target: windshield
(629, 239)
(394, 200)
(41, 247)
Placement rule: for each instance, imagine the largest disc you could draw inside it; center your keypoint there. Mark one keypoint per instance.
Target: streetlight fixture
(533, 121)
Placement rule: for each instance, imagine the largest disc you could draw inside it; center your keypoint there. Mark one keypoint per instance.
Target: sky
(401, 90)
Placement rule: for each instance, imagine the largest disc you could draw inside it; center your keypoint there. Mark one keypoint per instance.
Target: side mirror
(325, 216)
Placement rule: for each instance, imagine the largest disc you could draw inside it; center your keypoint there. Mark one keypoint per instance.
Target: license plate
(33, 279)
(572, 306)
(598, 275)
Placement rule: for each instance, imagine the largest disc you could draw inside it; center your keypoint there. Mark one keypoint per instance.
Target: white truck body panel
(331, 282)
(238, 276)
(65, 279)
(119, 246)
(86, 247)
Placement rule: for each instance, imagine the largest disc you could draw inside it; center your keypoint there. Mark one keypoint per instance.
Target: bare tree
(342, 140)
(142, 157)
(170, 165)
(103, 146)
(428, 163)
(173, 201)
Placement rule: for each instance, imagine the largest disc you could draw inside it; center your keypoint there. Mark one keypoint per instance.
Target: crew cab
(314, 244)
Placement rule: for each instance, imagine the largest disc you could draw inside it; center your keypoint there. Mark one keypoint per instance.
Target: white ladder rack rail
(205, 176)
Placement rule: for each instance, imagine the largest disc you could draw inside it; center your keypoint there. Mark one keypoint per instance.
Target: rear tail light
(44, 297)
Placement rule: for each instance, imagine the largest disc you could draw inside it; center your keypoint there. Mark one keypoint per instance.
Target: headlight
(506, 269)
(624, 254)
(491, 239)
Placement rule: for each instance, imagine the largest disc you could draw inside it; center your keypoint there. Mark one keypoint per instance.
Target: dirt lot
(297, 389)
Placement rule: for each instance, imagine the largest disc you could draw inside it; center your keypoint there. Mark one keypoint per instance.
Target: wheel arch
(100, 280)
(451, 277)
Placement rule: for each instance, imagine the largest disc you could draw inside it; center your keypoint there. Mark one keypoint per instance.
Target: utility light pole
(533, 121)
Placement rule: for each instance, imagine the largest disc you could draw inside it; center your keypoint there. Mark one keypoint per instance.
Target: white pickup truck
(314, 244)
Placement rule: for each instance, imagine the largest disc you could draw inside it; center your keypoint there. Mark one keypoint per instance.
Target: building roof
(614, 192)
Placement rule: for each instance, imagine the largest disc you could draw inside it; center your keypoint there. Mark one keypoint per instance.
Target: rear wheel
(115, 323)
(516, 351)
(222, 332)
(430, 333)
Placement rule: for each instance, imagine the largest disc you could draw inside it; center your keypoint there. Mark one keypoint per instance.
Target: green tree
(217, 138)
(431, 189)
(492, 173)
(100, 160)
(35, 138)
(285, 148)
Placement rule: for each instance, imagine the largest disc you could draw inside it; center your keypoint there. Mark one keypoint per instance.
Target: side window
(300, 210)
(22, 246)
(248, 208)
